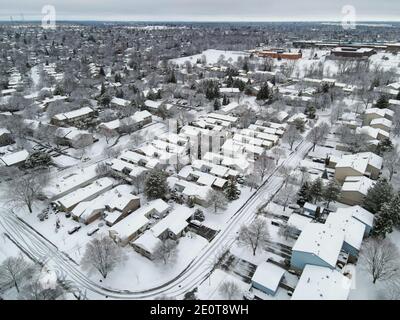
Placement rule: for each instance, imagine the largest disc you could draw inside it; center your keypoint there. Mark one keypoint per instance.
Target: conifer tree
(377, 195)
(156, 185)
(331, 192)
(231, 190)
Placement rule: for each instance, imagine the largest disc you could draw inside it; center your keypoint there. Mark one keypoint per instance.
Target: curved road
(31, 242)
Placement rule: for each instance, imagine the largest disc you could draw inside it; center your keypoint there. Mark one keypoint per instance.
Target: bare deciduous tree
(263, 165)
(230, 290)
(26, 189)
(103, 255)
(381, 259)
(15, 270)
(166, 251)
(254, 235)
(291, 136)
(318, 134)
(217, 200)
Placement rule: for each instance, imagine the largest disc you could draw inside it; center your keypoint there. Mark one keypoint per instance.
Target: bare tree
(318, 134)
(103, 255)
(263, 165)
(27, 189)
(391, 161)
(35, 290)
(217, 200)
(166, 251)
(291, 136)
(287, 231)
(381, 259)
(253, 181)
(285, 196)
(278, 153)
(254, 235)
(230, 290)
(285, 172)
(14, 271)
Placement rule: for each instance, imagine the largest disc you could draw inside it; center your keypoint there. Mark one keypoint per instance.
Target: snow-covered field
(212, 56)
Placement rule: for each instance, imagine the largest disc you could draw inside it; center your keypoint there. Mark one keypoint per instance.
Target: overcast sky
(202, 10)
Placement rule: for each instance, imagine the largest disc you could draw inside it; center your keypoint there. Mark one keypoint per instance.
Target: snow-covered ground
(212, 56)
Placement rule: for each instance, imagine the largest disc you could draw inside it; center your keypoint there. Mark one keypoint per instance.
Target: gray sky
(202, 10)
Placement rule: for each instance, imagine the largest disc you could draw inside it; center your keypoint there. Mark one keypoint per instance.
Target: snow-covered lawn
(139, 273)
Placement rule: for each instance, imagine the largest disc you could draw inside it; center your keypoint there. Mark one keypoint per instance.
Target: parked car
(68, 214)
(74, 229)
(92, 231)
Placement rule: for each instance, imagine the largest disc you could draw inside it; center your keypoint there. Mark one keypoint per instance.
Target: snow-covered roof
(358, 184)
(82, 194)
(14, 158)
(360, 161)
(129, 225)
(73, 114)
(352, 228)
(222, 117)
(190, 189)
(298, 221)
(381, 121)
(322, 241)
(152, 104)
(147, 241)
(268, 275)
(120, 102)
(380, 112)
(320, 283)
(358, 213)
(175, 221)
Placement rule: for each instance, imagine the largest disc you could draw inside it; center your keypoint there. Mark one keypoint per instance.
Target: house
(321, 283)
(360, 214)
(146, 244)
(14, 159)
(70, 200)
(174, 224)
(318, 244)
(73, 117)
(354, 189)
(119, 102)
(381, 123)
(310, 209)
(5, 137)
(129, 228)
(361, 164)
(353, 230)
(135, 122)
(373, 133)
(73, 137)
(267, 278)
(196, 192)
(376, 113)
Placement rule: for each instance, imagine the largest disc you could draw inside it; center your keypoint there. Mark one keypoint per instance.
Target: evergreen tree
(310, 112)
(384, 146)
(316, 190)
(383, 222)
(229, 81)
(263, 94)
(382, 102)
(172, 77)
(331, 192)
(304, 194)
(231, 190)
(377, 195)
(102, 72)
(102, 89)
(392, 209)
(398, 96)
(217, 105)
(225, 100)
(156, 185)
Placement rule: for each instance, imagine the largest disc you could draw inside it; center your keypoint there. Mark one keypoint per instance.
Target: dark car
(74, 229)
